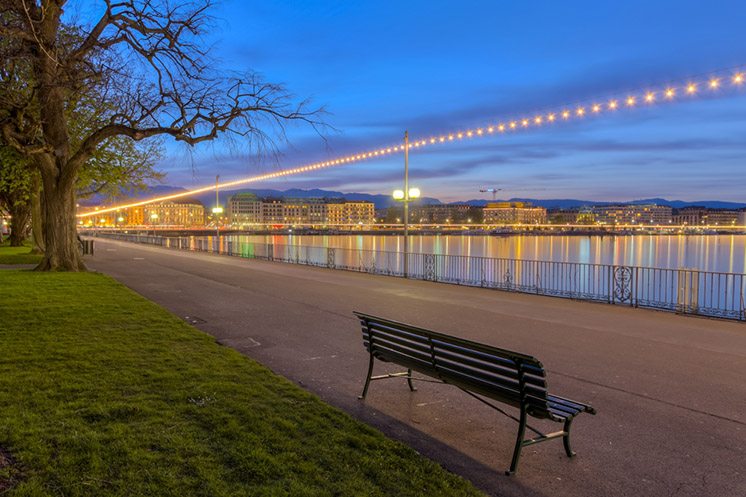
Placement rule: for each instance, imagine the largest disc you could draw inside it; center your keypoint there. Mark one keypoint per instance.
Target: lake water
(718, 253)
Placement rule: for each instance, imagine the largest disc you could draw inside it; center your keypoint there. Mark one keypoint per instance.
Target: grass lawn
(17, 255)
(104, 393)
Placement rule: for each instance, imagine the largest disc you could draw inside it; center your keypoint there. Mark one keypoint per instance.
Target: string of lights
(714, 84)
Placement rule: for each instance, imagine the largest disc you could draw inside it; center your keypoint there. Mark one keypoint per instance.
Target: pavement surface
(670, 390)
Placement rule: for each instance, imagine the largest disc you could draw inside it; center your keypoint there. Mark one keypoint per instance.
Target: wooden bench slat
(405, 360)
(469, 369)
(483, 355)
(382, 328)
(383, 345)
(402, 342)
(500, 369)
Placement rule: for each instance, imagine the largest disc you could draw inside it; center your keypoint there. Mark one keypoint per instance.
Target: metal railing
(686, 291)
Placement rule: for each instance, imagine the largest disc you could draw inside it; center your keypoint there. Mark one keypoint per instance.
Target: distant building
(722, 217)
(273, 211)
(244, 208)
(633, 214)
(247, 209)
(691, 216)
(174, 213)
(572, 216)
(445, 213)
(698, 216)
(350, 212)
(514, 213)
(185, 213)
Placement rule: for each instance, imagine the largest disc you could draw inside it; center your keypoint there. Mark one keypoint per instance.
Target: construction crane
(494, 191)
(491, 190)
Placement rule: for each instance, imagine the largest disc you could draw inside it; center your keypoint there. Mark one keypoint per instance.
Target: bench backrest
(510, 377)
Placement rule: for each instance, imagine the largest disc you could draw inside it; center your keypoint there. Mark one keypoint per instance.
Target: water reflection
(720, 253)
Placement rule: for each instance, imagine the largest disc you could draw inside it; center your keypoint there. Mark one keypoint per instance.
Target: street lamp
(153, 219)
(406, 195)
(217, 210)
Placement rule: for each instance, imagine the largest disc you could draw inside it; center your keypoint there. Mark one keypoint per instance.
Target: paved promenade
(670, 390)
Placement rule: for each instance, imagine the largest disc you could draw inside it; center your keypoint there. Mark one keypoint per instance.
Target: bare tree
(144, 57)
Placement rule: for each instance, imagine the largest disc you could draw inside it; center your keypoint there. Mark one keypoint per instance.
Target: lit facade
(174, 213)
(245, 208)
(182, 214)
(351, 212)
(273, 211)
(442, 214)
(514, 213)
(633, 214)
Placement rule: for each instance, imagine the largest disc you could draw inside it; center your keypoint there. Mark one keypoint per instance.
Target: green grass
(17, 255)
(104, 393)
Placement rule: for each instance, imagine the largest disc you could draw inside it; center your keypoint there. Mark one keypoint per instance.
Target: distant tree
(15, 193)
(394, 214)
(146, 61)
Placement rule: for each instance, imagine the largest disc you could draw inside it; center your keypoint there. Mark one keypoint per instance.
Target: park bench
(479, 370)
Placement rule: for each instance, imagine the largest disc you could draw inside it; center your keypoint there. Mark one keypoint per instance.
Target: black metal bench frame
(479, 370)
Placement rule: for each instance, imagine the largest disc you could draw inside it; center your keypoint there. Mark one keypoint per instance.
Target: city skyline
(479, 73)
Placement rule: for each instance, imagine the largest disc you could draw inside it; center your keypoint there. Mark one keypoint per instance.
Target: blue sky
(381, 67)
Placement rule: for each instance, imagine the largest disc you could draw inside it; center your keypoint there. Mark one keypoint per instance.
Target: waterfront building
(244, 208)
(514, 213)
(273, 211)
(247, 209)
(177, 213)
(317, 213)
(350, 212)
(698, 216)
(722, 217)
(691, 216)
(445, 213)
(311, 211)
(633, 214)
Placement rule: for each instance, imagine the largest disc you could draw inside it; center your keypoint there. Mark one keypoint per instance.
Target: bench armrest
(585, 407)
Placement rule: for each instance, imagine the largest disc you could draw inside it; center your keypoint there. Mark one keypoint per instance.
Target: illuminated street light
(153, 219)
(406, 195)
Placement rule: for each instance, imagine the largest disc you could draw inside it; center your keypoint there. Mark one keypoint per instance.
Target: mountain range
(383, 201)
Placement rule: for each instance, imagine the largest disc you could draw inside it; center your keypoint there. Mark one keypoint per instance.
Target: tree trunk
(62, 252)
(19, 213)
(37, 235)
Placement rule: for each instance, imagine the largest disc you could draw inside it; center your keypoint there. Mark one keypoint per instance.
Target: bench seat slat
(570, 403)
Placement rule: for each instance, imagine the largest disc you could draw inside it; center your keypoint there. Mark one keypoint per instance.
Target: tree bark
(20, 214)
(37, 234)
(60, 232)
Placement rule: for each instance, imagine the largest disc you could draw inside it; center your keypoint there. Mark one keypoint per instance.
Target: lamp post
(406, 196)
(153, 219)
(217, 210)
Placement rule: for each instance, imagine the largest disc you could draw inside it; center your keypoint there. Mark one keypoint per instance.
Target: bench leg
(566, 438)
(518, 443)
(367, 379)
(409, 380)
